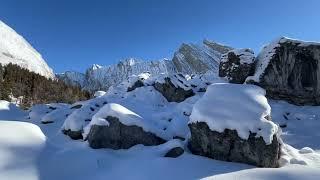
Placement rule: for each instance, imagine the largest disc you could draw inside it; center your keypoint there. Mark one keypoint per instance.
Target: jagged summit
(190, 58)
(15, 49)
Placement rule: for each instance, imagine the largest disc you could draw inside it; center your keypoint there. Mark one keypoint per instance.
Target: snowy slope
(15, 49)
(26, 154)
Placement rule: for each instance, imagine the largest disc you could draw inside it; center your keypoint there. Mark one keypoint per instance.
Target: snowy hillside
(202, 58)
(32, 154)
(15, 49)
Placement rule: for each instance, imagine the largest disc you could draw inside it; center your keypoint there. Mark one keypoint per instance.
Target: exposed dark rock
(120, 136)
(292, 73)
(75, 135)
(78, 106)
(237, 65)
(228, 146)
(171, 92)
(46, 122)
(137, 84)
(175, 152)
(178, 137)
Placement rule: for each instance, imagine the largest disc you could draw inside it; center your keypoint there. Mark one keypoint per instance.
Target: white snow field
(33, 147)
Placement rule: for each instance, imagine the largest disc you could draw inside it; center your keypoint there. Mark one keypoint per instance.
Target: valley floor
(31, 150)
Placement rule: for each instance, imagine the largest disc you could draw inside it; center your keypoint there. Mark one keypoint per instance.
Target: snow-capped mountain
(200, 58)
(15, 49)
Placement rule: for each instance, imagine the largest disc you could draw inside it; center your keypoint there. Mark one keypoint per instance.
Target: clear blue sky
(73, 34)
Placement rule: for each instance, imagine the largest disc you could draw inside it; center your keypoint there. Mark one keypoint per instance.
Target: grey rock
(75, 135)
(137, 84)
(174, 152)
(120, 136)
(293, 72)
(171, 92)
(228, 146)
(232, 67)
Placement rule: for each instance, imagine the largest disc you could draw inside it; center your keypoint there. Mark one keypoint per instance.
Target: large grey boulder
(289, 70)
(237, 65)
(228, 146)
(174, 89)
(120, 136)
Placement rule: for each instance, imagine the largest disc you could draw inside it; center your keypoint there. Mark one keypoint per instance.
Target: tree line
(36, 89)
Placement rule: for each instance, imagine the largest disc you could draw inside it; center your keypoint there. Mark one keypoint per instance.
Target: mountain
(199, 58)
(188, 59)
(16, 50)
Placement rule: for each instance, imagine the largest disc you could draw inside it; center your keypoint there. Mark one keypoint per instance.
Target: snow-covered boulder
(289, 70)
(236, 65)
(232, 122)
(174, 88)
(116, 127)
(81, 116)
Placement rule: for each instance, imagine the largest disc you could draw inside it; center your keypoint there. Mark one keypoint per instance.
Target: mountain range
(201, 58)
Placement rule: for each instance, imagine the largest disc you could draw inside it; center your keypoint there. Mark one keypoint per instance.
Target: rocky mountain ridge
(189, 59)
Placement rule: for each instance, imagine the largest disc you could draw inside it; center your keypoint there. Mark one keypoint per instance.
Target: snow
(15, 49)
(26, 152)
(99, 93)
(80, 117)
(237, 107)
(125, 116)
(10, 111)
(20, 146)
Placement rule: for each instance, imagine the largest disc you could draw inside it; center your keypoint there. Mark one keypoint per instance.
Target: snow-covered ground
(30, 149)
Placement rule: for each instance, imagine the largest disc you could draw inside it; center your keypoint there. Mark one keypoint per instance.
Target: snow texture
(15, 49)
(236, 107)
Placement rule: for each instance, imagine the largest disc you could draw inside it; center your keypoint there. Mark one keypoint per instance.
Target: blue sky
(73, 34)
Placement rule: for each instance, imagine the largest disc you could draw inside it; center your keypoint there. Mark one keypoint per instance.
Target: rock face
(227, 146)
(120, 136)
(198, 58)
(172, 92)
(289, 70)
(174, 152)
(137, 84)
(237, 65)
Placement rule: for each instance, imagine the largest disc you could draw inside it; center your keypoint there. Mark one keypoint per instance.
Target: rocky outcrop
(174, 89)
(289, 70)
(120, 136)
(174, 152)
(237, 65)
(228, 146)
